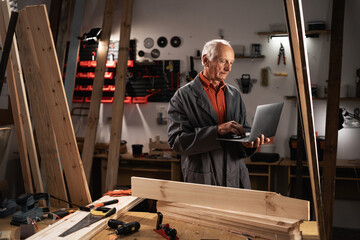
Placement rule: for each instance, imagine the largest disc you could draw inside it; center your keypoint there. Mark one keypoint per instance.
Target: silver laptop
(266, 120)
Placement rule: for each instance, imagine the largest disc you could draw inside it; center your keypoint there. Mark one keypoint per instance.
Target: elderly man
(201, 111)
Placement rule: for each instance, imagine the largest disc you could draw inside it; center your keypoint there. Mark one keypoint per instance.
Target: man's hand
(259, 141)
(231, 127)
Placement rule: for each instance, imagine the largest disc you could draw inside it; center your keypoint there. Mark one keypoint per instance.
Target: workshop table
(148, 223)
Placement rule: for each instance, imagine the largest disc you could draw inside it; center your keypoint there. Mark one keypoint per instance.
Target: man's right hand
(231, 127)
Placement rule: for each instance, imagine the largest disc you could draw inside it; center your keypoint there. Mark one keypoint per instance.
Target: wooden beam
(50, 159)
(54, 13)
(93, 119)
(225, 198)
(52, 85)
(119, 95)
(73, 53)
(332, 111)
(296, 29)
(61, 40)
(20, 111)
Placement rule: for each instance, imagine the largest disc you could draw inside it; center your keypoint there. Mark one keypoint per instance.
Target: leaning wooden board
(225, 198)
(53, 231)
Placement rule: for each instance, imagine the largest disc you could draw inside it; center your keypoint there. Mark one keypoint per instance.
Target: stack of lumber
(261, 214)
(243, 223)
(53, 231)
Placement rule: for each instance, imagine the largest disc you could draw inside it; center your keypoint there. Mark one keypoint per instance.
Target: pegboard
(154, 81)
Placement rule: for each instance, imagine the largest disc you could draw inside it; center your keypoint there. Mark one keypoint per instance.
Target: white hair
(210, 48)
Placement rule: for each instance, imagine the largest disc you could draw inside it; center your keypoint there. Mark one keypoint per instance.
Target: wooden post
(53, 87)
(61, 39)
(119, 95)
(20, 111)
(73, 52)
(50, 159)
(332, 111)
(294, 17)
(93, 119)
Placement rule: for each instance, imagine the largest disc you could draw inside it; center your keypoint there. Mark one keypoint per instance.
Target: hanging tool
(29, 209)
(192, 73)
(281, 53)
(164, 229)
(123, 228)
(94, 216)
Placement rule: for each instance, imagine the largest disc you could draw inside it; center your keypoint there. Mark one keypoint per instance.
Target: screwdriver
(125, 229)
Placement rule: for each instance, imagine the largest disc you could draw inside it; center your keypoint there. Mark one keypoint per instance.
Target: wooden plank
(225, 198)
(241, 229)
(54, 13)
(332, 109)
(64, 23)
(52, 85)
(93, 119)
(119, 95)
(296, 29)
(214, 214)
(50, 164)
(4, 140)
(19, 106)
(73, 53)
(53, 231)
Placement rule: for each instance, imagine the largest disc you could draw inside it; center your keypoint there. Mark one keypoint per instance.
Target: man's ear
(205, 61)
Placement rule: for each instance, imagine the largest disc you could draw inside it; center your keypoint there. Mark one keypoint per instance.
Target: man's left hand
(259, 141)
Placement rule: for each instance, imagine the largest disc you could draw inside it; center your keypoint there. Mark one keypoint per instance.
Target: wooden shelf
(239, 56)
(280, 34)
(318, 98)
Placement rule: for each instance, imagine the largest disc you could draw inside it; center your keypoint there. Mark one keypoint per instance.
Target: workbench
(148, 223)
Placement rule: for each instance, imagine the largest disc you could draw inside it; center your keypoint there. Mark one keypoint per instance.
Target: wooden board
(225, 198)
(17, 103)
(93, 119)
(50, 164)
(53, 231)
(4, 140)
(296, 29)
(248, 223)
(62, 34)
(332, 109)
(73, 52)
(52, 85)
(119, 95)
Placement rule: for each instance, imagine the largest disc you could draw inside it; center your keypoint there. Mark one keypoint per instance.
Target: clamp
(281, 53)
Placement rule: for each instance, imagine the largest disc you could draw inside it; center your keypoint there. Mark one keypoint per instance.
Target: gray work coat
(192, 133)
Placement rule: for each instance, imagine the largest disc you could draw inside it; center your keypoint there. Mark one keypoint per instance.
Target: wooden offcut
(50, 159)
(225, 198)
(119, 95)
(25, 138)
(93, 119)
(52, 85)
(296, 31)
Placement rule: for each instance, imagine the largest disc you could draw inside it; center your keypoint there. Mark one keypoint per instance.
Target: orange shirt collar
(206, 82)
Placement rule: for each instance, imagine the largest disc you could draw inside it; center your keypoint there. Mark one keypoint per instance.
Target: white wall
(199, 21)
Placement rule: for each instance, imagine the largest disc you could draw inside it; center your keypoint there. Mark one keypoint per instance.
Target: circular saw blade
(148, 42)
(175, 41)
(162, 42)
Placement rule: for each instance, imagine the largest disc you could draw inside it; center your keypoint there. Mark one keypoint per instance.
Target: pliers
(281, 52)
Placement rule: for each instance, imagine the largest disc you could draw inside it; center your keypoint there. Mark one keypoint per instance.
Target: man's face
(219, 68)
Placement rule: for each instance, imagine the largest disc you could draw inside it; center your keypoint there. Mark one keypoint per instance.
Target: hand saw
(94, 216)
